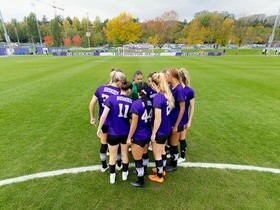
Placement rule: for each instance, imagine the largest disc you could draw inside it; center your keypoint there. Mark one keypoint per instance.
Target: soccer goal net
(143, 49)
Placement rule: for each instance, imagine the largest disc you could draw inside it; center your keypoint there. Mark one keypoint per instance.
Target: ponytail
(159, 80)
(126, 85)
(185, 77)
(142, 88)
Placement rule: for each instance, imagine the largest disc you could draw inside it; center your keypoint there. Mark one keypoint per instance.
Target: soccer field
(45, 126)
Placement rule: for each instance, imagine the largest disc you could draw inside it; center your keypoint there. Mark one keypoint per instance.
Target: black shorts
(115, 140)
(141, 143)
(105, 128)
(179, 129)
(161, 139)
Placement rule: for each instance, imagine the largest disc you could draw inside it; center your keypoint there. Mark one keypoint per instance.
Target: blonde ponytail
(159, 80)
(186, 74)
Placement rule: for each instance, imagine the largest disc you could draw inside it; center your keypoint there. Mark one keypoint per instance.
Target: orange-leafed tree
(66, 41)
(77, 40)
(48, 41)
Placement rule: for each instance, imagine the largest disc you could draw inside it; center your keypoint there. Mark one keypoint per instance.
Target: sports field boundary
(98, 167)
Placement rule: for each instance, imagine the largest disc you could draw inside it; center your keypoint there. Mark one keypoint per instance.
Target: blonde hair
(174, 73)
(112, 73)
(185, 77)
(118, 77)
(159, 80)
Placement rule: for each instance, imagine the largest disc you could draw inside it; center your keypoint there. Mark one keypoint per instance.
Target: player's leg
(183, 146)
(113, 148)
(124, 154)
(173, 142)
(137, 152)
(103, 148)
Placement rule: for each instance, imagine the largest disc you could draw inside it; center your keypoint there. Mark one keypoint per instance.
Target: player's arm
(92, 109)
(157, 123)
(133, 126)
(191, 111)
(102, 120)
(180, 115)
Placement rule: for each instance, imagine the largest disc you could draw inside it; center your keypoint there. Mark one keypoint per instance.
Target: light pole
(37, 25)
(7, 38)
(88, 32)
(273, 30)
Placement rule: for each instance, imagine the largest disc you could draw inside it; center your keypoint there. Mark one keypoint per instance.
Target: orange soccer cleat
(155, 178)
(155, 171)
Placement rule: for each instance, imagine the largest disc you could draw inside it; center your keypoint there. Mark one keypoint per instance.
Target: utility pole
(88, 32)
(271, 38)
(37, 25)
(7, 38)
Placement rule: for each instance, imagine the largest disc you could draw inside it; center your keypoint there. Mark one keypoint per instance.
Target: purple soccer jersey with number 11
(143, 130)
(118, 116)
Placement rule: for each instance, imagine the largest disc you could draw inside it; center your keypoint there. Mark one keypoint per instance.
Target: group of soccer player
(137, 114)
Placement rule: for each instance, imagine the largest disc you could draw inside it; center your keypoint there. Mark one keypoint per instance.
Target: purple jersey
(151, 94)
(160, 102)
(118, 116)
(143, 130)
(102, 93)
(189, 94)
(178, 95)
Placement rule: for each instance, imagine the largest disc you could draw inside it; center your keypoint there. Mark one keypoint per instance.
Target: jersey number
(147, 116)
(123, 110)
(168, 110)
(104, 97)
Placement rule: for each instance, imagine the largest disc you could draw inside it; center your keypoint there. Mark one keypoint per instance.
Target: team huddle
(139, 114)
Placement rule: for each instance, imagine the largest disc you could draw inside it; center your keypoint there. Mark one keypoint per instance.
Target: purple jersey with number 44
(118, 116)
(143, 130)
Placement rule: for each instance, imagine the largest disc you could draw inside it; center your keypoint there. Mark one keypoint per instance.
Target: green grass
(45, 126)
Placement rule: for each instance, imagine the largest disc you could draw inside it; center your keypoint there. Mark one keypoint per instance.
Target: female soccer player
(189, 110)
(100, 95)
(137, 77)
(150, 94)
(173, 78)
(116, 111)
(162, 103)
(140, 132)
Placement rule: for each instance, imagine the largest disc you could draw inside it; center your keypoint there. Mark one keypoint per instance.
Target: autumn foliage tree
(66, 42)
(77, 40)
(122, 29)
(48, 40)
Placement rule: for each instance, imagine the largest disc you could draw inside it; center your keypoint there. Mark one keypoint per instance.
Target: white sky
(142, 9)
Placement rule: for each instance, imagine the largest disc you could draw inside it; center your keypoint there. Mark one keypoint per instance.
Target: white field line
(98, 167)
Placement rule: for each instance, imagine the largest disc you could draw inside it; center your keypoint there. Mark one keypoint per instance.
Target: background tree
(170, 26)
(56, 31)
(98, 37)
(196, 33)
(122, 29)
(66, 42)
(32, 30)
(225, 32)
(48, 40)
(77, 40)
(153, 29)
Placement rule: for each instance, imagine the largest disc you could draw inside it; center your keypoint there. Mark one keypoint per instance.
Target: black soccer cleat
(137, 184)
(170, 168)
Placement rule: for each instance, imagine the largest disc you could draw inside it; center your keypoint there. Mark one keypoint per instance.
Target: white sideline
(98, 167)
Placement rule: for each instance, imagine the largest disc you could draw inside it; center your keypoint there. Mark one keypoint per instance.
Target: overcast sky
(142, 9)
